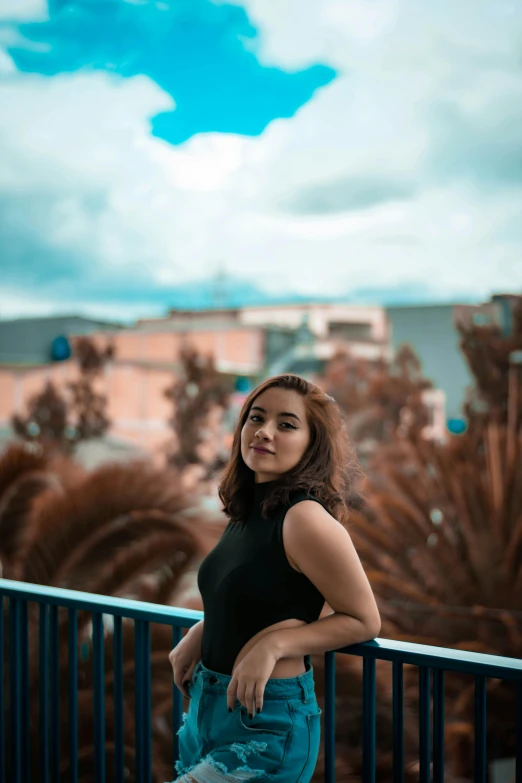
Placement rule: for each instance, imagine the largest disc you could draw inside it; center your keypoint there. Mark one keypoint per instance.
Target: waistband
(301, 686)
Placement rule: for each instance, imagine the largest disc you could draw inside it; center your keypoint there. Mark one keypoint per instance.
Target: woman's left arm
(323, 550)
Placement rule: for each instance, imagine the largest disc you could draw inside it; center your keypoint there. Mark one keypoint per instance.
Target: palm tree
(130, 530)
(441, 539)
(491, 354)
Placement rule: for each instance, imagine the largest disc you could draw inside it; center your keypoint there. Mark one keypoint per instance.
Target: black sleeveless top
(246, 583)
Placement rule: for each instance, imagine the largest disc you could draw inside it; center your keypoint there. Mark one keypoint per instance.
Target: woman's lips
(261, 451)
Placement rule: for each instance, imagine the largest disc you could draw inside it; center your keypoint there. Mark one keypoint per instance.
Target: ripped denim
(281, 743)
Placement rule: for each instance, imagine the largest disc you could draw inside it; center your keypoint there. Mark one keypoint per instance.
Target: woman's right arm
(185, 656)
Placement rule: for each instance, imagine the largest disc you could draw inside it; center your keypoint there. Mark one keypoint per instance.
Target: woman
(246, 667)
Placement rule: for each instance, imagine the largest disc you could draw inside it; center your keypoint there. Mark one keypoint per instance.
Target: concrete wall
(429, 329)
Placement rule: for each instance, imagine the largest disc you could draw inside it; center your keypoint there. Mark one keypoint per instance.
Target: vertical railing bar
(73, 693)
(15, 682)
(119, 757)
(138, 699)
(177, 703)
(2, 694)
(518, 730)
(329, 717)
(369, 721)
(99, 696)
(480, 766)
(424, 724)
(438, 726)
(147, 706)
(54, 695)
(398, 721)
(43, 687)
(25, 697)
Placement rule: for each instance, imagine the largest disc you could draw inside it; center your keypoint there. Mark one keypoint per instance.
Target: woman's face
(276, 422)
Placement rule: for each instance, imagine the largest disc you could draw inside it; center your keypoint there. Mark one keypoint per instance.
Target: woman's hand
(183, 659)
(251, 675)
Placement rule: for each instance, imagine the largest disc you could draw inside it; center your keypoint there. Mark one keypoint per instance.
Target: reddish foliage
(200, 396)
(63, 420)
(381, 399)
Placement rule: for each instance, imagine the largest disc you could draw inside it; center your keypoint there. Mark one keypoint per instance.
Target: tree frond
(108, 493)
(17, 459)
(18, 528)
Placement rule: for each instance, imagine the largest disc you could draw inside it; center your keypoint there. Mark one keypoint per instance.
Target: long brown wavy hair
(328, 469)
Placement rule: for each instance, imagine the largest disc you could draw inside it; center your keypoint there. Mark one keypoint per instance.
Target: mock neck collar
(261, 490)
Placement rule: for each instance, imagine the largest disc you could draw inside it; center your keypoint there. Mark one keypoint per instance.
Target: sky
(354, 150)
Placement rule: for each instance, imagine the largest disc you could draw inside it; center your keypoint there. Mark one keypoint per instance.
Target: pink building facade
(147, 359)
(145, 365)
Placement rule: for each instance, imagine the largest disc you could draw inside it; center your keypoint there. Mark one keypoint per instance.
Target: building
(249, 343)
(300, 338)
(28, 342)
(431, 331)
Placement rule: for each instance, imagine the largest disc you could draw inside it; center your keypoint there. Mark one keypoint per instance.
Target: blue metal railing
(38, 633)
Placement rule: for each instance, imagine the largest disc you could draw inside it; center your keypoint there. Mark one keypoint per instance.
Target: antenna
(219, 288)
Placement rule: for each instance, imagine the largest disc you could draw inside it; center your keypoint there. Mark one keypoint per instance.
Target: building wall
(135, 382)
(146, 357)
(430, 330)
(238, 350)
(289, 317)
(319, 317)
(137, 407)
(28, 341)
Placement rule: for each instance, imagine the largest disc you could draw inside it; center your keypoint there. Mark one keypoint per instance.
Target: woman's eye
(256, 416)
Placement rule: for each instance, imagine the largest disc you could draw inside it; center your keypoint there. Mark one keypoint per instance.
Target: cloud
(431, 91)
(402, 173)
(345, 195)
(194, 50)
(23, 10)
(483, 145)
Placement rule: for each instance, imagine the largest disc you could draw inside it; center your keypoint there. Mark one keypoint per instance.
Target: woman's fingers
(249, 699)
(185, 689)
(232, 694)
(185, 680)
(260, 691)
(181, 682)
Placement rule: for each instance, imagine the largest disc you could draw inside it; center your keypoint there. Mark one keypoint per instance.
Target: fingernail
(250, 716)
(258, 710)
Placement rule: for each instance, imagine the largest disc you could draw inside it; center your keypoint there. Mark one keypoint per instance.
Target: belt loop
(304, 686)
(304, 689)
(310, 685)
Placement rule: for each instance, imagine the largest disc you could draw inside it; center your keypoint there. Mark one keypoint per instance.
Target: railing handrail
(108, 604)
(447, 658)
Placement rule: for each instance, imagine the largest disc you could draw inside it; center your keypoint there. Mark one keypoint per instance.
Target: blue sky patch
(201, 54)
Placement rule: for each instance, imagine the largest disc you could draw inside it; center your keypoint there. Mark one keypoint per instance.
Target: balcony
(57, 646)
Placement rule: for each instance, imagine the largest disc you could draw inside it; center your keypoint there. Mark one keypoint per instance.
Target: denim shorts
(281, 743)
